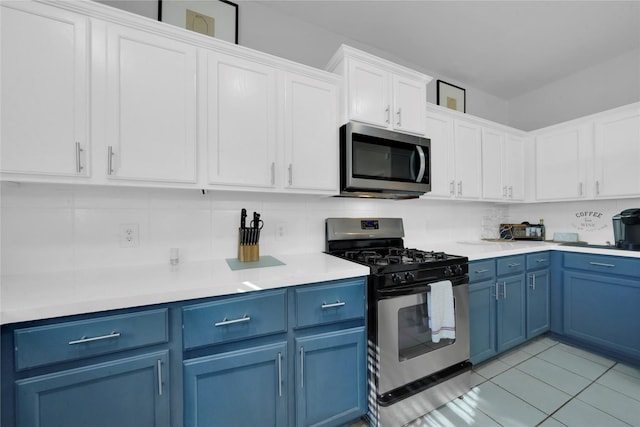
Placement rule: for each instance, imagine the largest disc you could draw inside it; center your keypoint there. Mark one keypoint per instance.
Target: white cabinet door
(617, 142)
(494, 186)
(311, 134)
(241, 117)
(560, 164)
(410, 98)
(513, 167)
(468, 160)
(44, 90)
(368, 92)
(439, 129)
(151, 102)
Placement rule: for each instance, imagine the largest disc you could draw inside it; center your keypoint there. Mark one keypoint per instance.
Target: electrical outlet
(129, 235)
(280, 230)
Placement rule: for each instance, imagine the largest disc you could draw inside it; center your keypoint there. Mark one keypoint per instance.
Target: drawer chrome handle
(225, 322)
(515, 264)
(481, 271)
(84, 339)
(338, 303)
(540, 260)
(602, 264)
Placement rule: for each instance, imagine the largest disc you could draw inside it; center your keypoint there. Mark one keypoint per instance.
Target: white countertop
(48, 295)
(42, 296)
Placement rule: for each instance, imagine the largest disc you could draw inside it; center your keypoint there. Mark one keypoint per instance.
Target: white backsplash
(57, 228)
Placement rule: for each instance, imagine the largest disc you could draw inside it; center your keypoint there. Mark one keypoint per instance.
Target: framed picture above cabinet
(215, 18)
(451, 96)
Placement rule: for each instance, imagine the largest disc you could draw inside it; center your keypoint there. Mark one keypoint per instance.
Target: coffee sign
(589, 221)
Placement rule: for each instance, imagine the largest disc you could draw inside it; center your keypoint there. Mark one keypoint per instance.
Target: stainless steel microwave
(383, 164)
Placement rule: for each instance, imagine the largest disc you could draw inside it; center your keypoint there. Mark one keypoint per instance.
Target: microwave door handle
(423, 163)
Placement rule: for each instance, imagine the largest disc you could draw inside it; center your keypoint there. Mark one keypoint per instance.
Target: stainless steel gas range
(409, 373)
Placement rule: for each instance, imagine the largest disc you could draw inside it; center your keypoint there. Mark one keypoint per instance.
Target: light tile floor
(544, 383)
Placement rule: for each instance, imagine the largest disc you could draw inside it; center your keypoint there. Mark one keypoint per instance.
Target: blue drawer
(510, 265)
(44, 345)
(234, 318)
(482, 270)
(330, 302)
(603, 264)
(538, 260)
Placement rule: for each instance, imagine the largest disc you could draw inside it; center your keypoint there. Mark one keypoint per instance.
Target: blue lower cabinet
(603, 310)
(330, 378)
(482, 320)
(511, 312)
(128, 392)
(238, 388)
(538, 307)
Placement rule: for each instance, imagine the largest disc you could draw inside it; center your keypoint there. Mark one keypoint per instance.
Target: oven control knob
(396, 279)
(458, 269)
(448, 272)
(409, 277)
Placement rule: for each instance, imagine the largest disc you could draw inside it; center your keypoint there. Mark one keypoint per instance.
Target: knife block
(247, 253)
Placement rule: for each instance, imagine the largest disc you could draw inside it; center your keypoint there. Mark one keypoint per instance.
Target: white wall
(57, 228)
(607, 85)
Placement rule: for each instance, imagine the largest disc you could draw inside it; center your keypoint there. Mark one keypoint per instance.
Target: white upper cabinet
(440, 133)
(151, 106)
(561, 156)
(44, 101)
(241, 117)
(311, 134)
(379, 92)
(617, 154)
(502, 166)
(467, 143)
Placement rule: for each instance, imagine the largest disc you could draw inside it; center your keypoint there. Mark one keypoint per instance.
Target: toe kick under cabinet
(288, 357)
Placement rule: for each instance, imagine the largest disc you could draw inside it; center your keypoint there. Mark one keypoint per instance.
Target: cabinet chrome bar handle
(540, 260)
(280, 374)
(273, 173)
(511, 192)
(159, 377)
(301, 367)
(110, 160)
(452, 188)
(83, 340)
(338, 303)
(597, 188)
(481, 271)
(399, 116)
(79, 151)
(580, 189)
(290, 174)
(388, 111)
(533, 282)
(515, 264)
(459, 188)
(225, 322)
(497, 292)
(504, 191)
(504, 288)
(602, 264)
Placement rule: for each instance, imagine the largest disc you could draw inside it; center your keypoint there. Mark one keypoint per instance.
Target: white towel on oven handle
(442, 319)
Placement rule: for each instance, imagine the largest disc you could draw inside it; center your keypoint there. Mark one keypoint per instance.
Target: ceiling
(504, 48)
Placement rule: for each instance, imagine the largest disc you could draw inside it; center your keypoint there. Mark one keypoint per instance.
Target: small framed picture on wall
(451, 96)
(215, 18)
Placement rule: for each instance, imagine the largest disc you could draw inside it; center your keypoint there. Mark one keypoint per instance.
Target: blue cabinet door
(238, 388)
(131, 392)
(603, 310)
(511, 312)
(538, 309)
(330, 378)
(482, 320)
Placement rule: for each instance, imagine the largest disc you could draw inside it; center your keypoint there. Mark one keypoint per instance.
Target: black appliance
(626, 229)
(409, 374)
(383, 164)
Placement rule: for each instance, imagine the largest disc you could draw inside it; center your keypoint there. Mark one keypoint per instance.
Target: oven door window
(414, 334)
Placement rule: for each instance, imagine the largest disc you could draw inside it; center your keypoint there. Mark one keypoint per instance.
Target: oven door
(406, 351)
